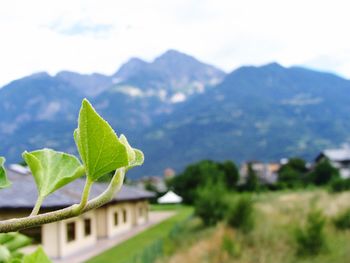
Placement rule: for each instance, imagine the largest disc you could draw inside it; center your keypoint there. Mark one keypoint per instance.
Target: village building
(339, 158)
(267, 173)
(128, 209)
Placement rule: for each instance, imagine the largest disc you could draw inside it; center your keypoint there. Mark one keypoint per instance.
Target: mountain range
(179, 110)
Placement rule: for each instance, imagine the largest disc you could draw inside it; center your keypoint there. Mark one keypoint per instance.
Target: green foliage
(323, 173)
(4, 182)
(210, 204)
(252, 183)
(342, 220)
(200, 174)
(231, 174)
(38, 256)
(292, 174)
(241, 214)
(52, 170)
(311, 239)
(10, 243)
(99, 147)
(229, 245)
(135, 156)
(339, 184)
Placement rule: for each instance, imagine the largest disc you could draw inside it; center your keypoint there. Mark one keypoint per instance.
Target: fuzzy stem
(37, 206)
(65, 213)
(85, 195)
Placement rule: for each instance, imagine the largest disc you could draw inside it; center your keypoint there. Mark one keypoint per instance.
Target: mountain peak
(272, 65)
(132, 66)
(38, 75)
(174, 56)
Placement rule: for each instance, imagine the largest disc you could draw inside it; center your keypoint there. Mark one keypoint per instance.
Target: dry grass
(272, 240)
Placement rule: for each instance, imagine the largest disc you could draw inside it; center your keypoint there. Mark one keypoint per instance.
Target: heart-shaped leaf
(52, 170)
(38, 256)
(98, 145)
(4, 182)
(135, 156)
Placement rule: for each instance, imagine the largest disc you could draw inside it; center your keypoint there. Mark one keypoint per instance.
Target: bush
(342, 220)
(339, 185)
(323, 173)
(241, 214)
(311, 239)
(203, 173)
(210, 205)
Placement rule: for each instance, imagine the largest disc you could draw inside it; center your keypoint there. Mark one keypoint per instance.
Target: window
(124, 216)
(140, 212)
(70, 231)
(116, 222)
(87, 227)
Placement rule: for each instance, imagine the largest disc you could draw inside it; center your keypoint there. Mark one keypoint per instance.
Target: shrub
(210, 204)
(339, 185)
(229, 246)
(200, 174)
(311, 239)
(241, 214)
(323, 173)
(342, 220)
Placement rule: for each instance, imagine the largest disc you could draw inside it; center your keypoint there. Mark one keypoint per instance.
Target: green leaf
(4, 182)
(38, 256)
(52, 170)
(135, 156)
(6, 237)
(17, 242)
(98, 145)
(4, 254)
(139, 158)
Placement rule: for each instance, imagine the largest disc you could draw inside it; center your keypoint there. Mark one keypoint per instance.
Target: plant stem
(65, 213)
(85, 194)
(37, 206)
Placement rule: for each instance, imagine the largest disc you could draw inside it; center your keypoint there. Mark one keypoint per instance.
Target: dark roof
(23, 194)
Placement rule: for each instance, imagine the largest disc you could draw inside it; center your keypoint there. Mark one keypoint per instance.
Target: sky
(99, 35)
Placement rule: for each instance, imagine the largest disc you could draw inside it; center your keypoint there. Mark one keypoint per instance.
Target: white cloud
(98, 35)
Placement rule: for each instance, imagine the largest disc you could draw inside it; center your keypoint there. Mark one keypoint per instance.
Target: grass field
(272, 241)
(126, 251)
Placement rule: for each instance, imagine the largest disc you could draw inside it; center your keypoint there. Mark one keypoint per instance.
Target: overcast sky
(99, 35)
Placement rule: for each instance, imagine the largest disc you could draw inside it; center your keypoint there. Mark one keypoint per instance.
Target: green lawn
(127, 250)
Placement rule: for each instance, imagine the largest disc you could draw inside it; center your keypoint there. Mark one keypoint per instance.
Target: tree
(292, 174)
(211, 205)
(323, 173)
(204, 173)
(231, 173)
(252, 183)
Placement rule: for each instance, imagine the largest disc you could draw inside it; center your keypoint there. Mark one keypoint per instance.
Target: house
(339, 158)
(60, 239)
(266, 172)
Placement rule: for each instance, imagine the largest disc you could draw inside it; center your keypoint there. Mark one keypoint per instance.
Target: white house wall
(55, 241)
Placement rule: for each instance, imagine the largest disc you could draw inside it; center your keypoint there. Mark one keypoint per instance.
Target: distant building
(339, 158)
(266, 172)
(157, 182)
(169, 173)
(60, 239)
